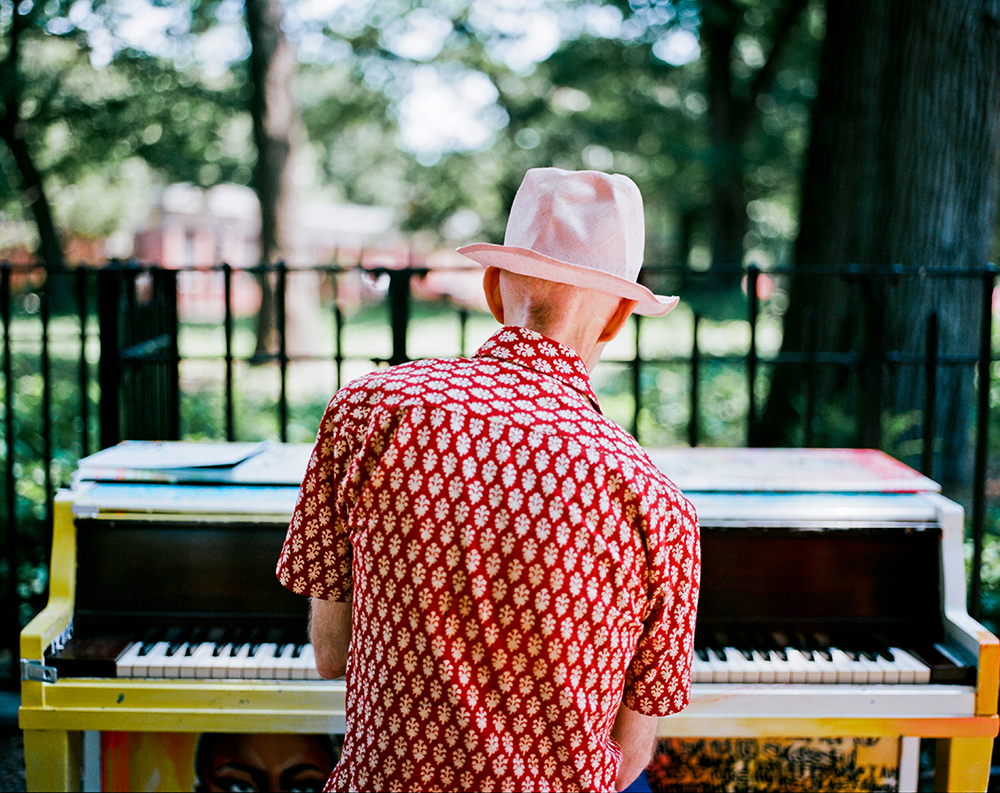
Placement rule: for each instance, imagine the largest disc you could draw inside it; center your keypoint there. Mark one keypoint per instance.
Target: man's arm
(330, 634)
(636, 734)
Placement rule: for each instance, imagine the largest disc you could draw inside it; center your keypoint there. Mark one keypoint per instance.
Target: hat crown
(586, 218)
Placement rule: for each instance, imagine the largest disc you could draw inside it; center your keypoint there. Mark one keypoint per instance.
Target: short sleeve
(316, 557)
(658, 680)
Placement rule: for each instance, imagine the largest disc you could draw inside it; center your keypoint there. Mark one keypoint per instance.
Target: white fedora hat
(583, 228)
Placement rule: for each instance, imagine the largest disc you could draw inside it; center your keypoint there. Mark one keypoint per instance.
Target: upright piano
(833, 604)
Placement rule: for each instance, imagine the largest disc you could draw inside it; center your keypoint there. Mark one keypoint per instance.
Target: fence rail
(93, 355)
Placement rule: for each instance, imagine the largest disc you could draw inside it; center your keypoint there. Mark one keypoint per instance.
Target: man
(507, 580)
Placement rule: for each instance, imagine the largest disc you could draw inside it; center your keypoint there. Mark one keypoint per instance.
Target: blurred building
(192, 227)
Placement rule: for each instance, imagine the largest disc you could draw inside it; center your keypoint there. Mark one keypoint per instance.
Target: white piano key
(867, 671)
(217, 666)
(846, 667)
(191, 665)
(238, 661)
(911, 670)
(172, 662)
(890, 670)
(801, 669)
(701, 669)
(717, 662)
(825, 670)
(309, 661)
(284, 662)
(874, 672)
(126, 661)
(725, 672)
(150, 665)
(763, 668)
(261, 664)
(302, 663)
(741, 670)
(782, 667)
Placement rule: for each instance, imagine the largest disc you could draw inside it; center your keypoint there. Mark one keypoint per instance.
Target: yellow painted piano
(833, 604)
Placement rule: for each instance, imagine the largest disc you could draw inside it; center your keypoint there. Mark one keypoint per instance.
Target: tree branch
(780, 38)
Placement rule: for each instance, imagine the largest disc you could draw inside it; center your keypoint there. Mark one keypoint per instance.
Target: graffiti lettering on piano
(764, 764)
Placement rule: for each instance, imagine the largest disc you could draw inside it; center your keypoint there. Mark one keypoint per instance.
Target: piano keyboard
(256, 655)
(270, 657)
(811, 660)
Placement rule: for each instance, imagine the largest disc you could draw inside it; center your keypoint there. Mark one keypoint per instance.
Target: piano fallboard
(195, 598)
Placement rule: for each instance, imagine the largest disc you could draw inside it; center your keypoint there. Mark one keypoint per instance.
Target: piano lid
(703, 469)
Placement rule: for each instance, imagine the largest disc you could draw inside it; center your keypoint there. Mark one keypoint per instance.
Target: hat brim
(525, 261)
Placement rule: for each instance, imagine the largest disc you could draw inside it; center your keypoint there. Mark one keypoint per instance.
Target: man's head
(580, 228)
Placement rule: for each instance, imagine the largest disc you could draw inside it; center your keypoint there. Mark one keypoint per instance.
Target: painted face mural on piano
(263, 763)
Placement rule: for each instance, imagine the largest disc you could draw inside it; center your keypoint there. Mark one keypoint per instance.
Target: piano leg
(963, 764)
(52, 759)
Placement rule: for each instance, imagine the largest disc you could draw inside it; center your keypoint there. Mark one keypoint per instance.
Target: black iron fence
(94, 355)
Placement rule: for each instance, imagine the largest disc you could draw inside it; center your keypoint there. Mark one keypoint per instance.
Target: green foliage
(989, 572)
(87, 125)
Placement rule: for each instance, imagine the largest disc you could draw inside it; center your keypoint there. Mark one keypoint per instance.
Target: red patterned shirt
(517, 565)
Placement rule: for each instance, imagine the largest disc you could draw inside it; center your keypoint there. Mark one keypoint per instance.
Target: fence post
(753, 308)
(13, 617)
(636, 379)
(399, 308)
(109, 368)
(282, 316)
(695, 360)
(227, 326)
(338, 327)
(872, 363)
(46, 316)
(930, 396)
(83, 371)
(982, 441)
(809, 324)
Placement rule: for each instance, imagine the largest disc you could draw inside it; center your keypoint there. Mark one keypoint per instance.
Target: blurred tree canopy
(86, 118)
(707, 129)
(437, 107)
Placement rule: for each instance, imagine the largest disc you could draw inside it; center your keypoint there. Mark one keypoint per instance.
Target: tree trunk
(275, 126)
(901, 171)
(13, 132)
(732, 111)
(729, 120)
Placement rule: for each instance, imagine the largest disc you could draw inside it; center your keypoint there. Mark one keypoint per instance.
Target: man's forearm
(330, 634)
(636, 734)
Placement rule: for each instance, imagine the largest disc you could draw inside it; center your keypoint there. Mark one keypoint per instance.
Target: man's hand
(330, 634)
(636, 734)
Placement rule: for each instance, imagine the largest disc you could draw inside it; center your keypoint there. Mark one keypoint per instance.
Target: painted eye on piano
(261, 763)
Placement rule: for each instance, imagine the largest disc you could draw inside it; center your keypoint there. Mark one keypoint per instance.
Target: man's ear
(491, 286)
(617, 320)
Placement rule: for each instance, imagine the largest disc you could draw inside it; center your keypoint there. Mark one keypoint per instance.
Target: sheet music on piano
(833, 605)
(179, 462)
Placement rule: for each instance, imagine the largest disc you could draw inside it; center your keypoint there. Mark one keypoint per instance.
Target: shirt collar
(540, 354)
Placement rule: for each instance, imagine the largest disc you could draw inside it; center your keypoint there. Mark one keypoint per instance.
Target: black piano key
(881, 649)
(803, 645)
(150, 640)
(820, 643)
(779, 645)
(235, 638)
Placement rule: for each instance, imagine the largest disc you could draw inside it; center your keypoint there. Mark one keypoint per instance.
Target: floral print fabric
(517, 566)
